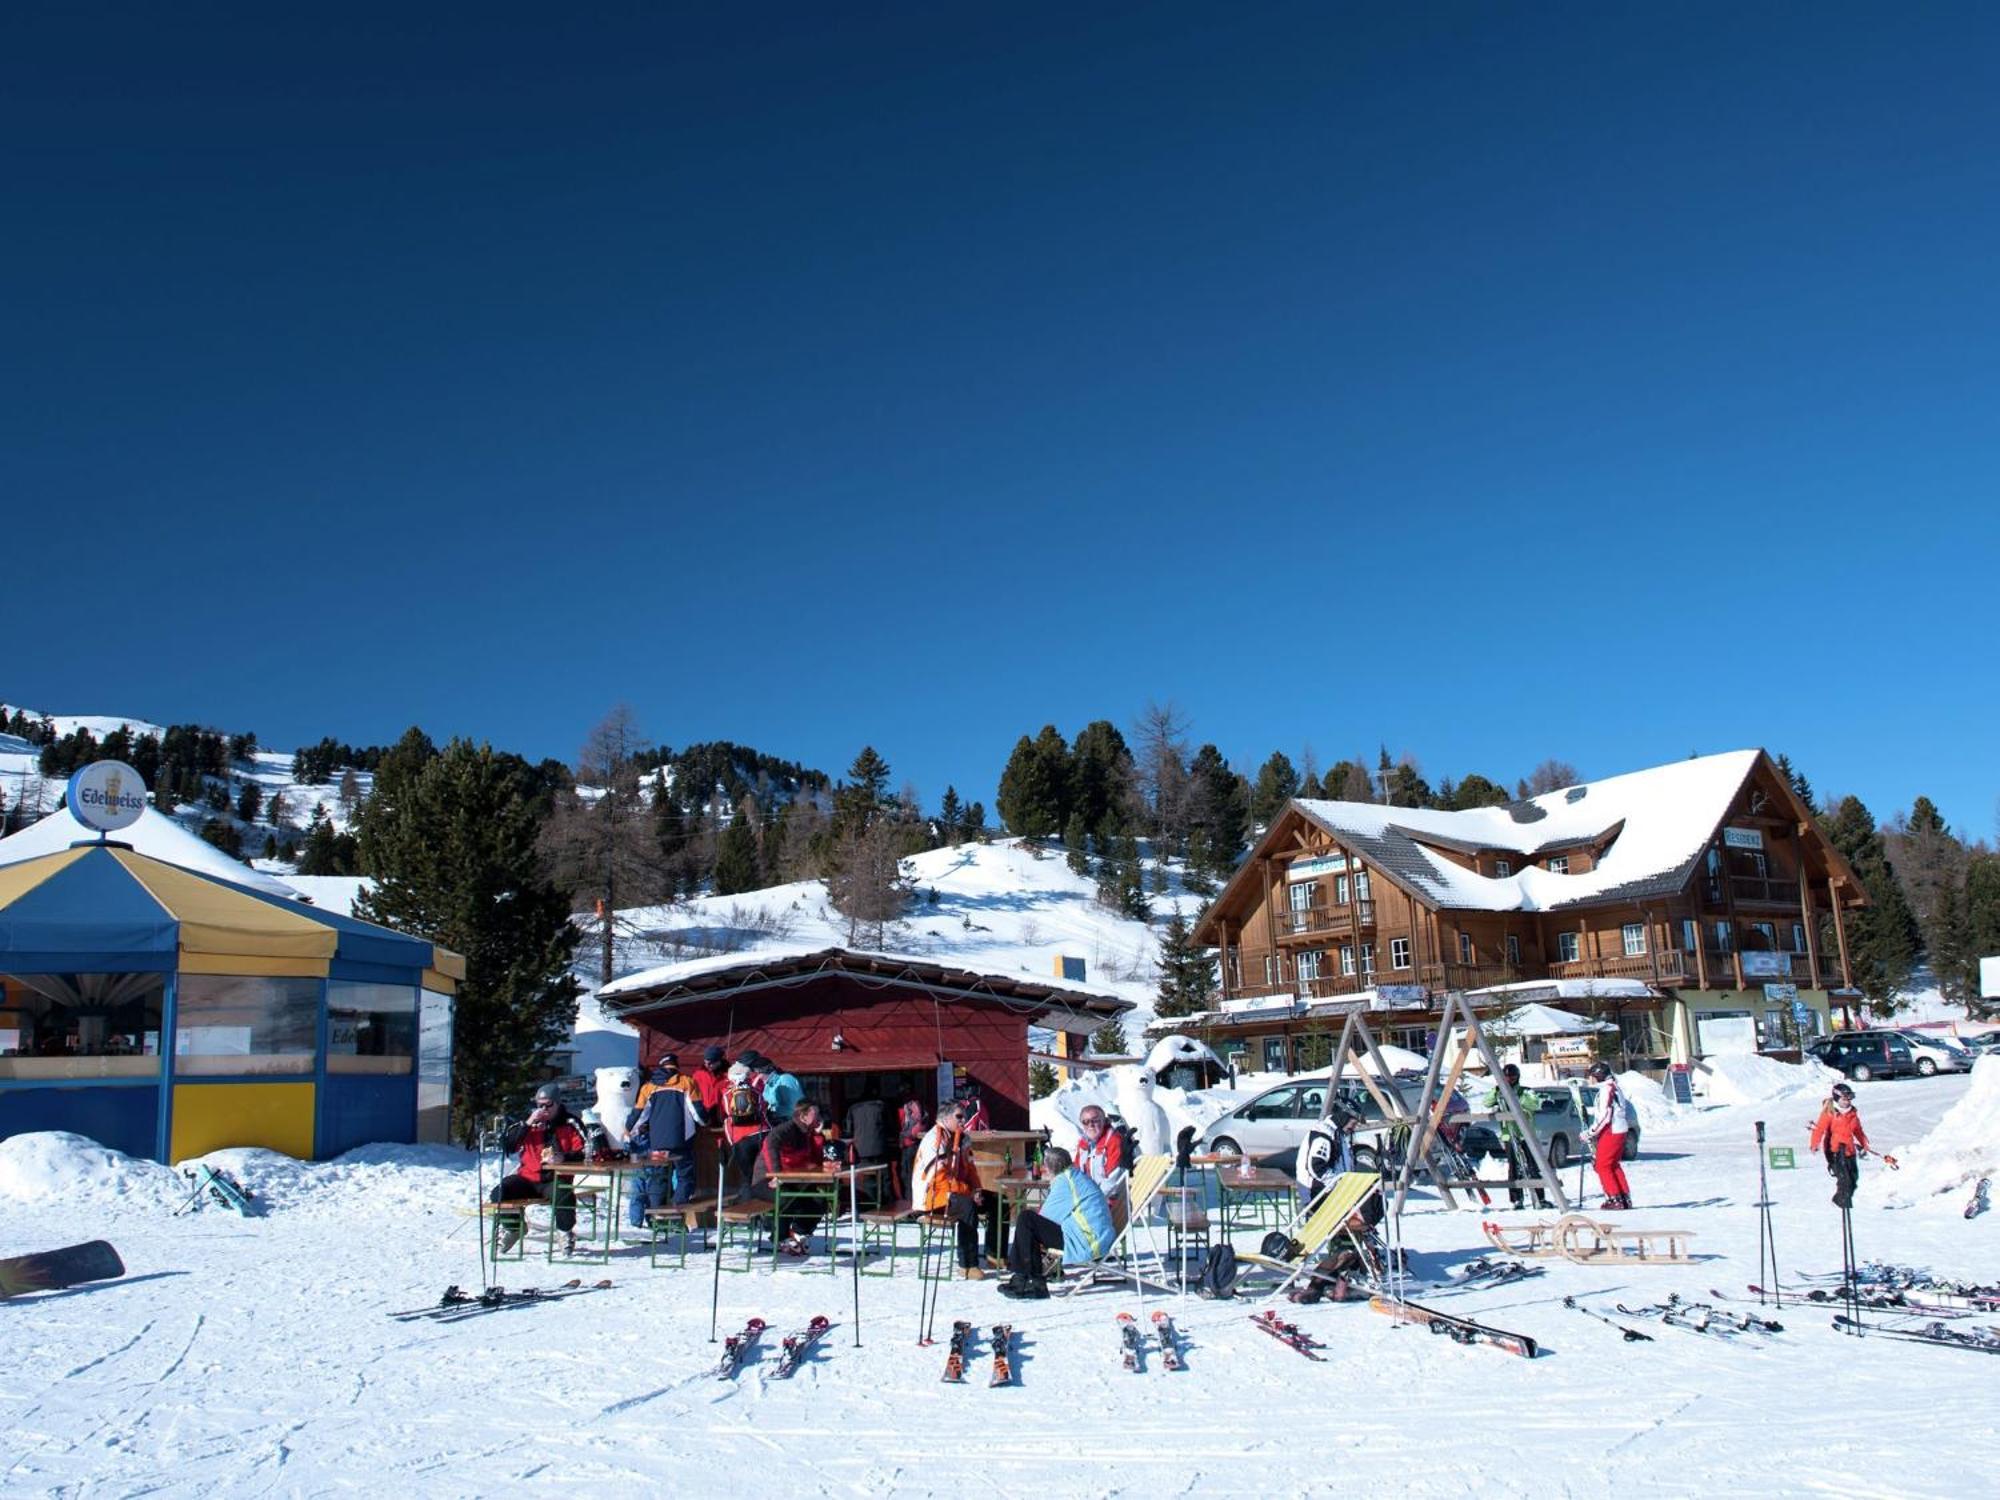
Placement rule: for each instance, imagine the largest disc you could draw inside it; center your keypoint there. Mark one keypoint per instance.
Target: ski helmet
(1600, 1071)
(1842, 1091)
(548, 1093)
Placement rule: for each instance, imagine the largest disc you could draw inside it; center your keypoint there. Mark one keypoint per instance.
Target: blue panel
(125, 1117)
(346, 968)
(356, 1110)
(360, 942)
(93, 906)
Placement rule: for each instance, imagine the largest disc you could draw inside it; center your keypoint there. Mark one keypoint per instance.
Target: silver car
(1270, 1123)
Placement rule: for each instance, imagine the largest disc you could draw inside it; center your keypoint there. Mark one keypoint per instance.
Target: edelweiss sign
(106, 795)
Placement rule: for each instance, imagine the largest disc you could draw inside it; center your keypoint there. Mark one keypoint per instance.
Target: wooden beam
(1840, 933)
(1806, 915)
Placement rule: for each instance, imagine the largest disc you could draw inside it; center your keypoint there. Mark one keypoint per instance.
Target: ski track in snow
(270, 1366)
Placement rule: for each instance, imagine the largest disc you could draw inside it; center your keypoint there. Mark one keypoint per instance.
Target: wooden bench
(883, 1228)
(739, 1224)
(673, 1222)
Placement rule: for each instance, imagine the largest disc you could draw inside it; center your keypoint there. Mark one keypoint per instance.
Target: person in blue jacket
(1073, 1218)
(781, 1090)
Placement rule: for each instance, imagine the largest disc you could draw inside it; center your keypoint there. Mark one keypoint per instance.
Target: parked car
(1557, 1124)
(1862, 1055)
(1981, 1045)
(1937, 1054)
(1274, 1123)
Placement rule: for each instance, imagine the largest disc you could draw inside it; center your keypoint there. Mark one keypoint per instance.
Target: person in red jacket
(1838, 1133)
(910, 1127)
(549, 1134)
(710, 1079)
(795, 1146)
(1100, 1152)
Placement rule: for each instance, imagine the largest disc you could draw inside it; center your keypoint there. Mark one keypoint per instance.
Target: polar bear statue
(1139, 1109)
(617, 1093)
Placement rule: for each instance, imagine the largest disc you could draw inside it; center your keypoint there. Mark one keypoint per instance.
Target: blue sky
(1492, 387)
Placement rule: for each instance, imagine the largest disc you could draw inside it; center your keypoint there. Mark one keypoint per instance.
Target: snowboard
(51, 1270)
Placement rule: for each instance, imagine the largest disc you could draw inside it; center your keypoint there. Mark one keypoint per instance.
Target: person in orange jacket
(945, 1181)
(1838, 1133)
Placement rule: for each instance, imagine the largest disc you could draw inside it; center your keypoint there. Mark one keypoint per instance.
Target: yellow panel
(17, 880)
(210, 1116)
(447, 962)
(443, 984)
(247, 963)
(215, 919)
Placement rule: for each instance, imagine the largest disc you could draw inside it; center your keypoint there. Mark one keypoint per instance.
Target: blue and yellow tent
(166, 1013)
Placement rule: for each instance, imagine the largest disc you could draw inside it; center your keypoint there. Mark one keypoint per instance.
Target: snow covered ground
(254, 1355)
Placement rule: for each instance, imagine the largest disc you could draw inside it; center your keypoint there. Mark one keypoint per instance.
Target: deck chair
(1324, 1218)
(1142, 1185)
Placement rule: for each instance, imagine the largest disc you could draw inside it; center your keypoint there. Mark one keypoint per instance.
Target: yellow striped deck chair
(1142, 1185)
(1323, 1220)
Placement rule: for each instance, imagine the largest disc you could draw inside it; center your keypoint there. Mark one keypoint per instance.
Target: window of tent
(245, 1023)
(1399, 953)
(1567, 947)
(1635, 939)
(434, 1026)
(81, 1026)
(370, 1028)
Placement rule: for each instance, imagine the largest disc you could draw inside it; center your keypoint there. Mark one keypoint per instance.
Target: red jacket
(708, 1089)
(1839, 1133)
(1100, 1161)
(793, 1148)
(533, 1140)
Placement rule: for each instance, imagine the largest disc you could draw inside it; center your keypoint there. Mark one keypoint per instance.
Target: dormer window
(1559, 864)
(1502, 869)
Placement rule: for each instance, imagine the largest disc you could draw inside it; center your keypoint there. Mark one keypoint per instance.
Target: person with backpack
(1520, 1160)
(910, 1127)
(744, 1122)
(1838, 1134)
(666, 1123)
(947, 1183)
(976, 1117)
(1074, 1221)
(1606, 1132)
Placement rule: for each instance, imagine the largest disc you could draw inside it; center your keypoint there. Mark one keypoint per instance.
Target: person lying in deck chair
(1354, 1251)
(1073, 1224)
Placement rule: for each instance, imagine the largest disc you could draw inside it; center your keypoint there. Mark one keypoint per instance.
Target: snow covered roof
(1652, 827)
(1545, 1020)
(155, 835)
(1062, 1007)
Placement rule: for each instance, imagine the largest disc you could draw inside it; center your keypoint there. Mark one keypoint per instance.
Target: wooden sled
(1590, 1242)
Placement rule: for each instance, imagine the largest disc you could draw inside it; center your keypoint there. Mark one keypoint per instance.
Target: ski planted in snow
(796, 1346)
(1983, 1340)
(213, 1182)
(1163, 1330)
(959, 1352)
(1977, 1205)
(736, 1348)
(1129, 1341)
(1288, 1334)
(1632, 1335)
(1459, 1330)
(1002, 1335)
(52, 1270)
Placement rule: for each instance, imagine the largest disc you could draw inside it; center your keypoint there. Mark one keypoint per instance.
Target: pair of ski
(1882, 1300)
(1134, 1346)
(457, 1303)
(1702, 1317)
(1980, 1340)
(1458, 1330)
(792, 1350)
(959, 1353)
(212, 1182)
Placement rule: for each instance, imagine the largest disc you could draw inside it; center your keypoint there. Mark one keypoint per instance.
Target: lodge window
(1274, 1054)
(1302, 895)
(1514, 950)
(1502, 868)
(1635, 939)
(1399, 953)
(240, 1023)
(1340, 889)
(1724, 938)
(1270, 968)
(1566, 947)
(370, 1028)
(1367, 958)
(1347, 958)
(1798, 937)
(1465, 947)
(1690, 935)
(1757, 865)
(1308, 964)
(1559, 864)
(1766, 933)
(1361, 890)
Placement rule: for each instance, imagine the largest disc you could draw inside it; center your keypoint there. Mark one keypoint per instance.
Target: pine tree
(1109, 1040)
(1277, 783)
(1310, 788)
(1076, 844)
(973, 828)
(454, 853)
(249, 802)
(1041, 1080)
(865, 794)
(1034, 786)
(1882, 937)
(1101, 778)
(224, 835)
(1132, 900)
(1476, 791)
(950, 812)
(1800, 786)
(736, 853)
(1187, 973)
(1220, 809)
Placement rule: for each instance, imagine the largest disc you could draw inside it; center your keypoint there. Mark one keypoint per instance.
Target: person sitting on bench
(548, 1135)
(1074, 1220)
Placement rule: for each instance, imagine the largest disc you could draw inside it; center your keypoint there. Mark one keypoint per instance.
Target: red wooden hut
(850, 1025)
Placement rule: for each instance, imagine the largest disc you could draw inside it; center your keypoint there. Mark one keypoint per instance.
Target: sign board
(1070, 968)
(1989, 978)
(1782, 1159)
(1802, 1016)
(1767, 965)
(1680, 1084)
(106, 795)
(1402, 994)
(1743, 838)
(1731, 1035)
(1784, 993)
(1569, 1046)
(1312, 869)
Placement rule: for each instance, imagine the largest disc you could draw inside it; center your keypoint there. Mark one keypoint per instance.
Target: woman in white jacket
(1607, 1131)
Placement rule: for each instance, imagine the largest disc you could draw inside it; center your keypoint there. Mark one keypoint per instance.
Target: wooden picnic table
(614, 1173)
(822, 1187)
(1259, 1184)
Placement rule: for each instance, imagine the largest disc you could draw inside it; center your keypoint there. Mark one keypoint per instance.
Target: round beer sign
(106, 795)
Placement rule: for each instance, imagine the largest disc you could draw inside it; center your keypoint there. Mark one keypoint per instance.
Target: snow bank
(47, 1166)
(1960, 1149)
(1750, 1079)
(1058, 1112)
(405, 1179)
(1651, 1103)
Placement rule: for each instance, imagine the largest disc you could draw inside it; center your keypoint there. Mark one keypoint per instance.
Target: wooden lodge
(1696, 905)
(850, 1025)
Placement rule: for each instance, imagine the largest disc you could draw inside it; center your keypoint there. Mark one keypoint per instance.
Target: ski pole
(715, 1275)
(479, 1206)
(854, 1229)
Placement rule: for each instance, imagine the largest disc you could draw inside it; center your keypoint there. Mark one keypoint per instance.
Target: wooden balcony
(1750, 890)
(1315, 921)
(1666, 967)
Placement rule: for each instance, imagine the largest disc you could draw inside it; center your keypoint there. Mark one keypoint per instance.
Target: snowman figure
(1139, 1109)
(617, 1096)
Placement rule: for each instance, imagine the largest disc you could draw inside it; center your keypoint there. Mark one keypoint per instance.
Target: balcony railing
(1293, 921)
(1664, 966)
(1756, 891)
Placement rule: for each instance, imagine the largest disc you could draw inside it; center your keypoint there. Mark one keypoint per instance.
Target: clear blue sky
(1495, 386)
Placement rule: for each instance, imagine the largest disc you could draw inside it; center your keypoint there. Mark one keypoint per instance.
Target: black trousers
(1846, 1170)
(1520, 1164)
(1033, 1233)
(742, 1163)
(513, 1189)
(962, 1211)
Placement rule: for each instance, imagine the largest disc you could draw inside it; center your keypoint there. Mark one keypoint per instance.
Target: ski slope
(254, 1355)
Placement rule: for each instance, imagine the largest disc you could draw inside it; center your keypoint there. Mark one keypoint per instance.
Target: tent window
(81, 1025)
(230, 1024)
(370, 1028)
